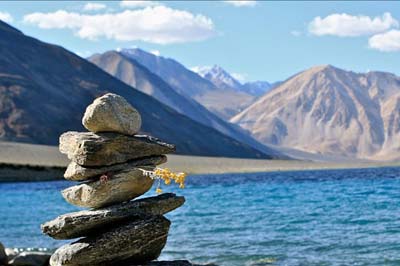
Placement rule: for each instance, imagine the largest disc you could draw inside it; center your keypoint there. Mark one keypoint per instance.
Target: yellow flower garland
(166, 175)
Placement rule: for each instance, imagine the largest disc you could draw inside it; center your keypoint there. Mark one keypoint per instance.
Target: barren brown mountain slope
(328, 110)
(134, 74)
(44, 90)
(190, 84)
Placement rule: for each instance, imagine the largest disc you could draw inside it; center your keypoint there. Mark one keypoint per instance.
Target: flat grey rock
(31, 258)
(120, 187)
(77, 172)
(84, 223)
(112, 113)
(90, 149)
(138, 241)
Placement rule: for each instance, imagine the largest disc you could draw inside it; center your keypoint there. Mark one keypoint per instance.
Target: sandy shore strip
(213, 165)
(25, 162)
(31, 154)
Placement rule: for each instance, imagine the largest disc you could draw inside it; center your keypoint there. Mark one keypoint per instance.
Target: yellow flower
(167, 176)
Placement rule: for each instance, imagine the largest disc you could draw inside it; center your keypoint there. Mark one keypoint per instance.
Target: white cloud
(94, 6)
(155, 52)
(138, 4)
(344, 25)
(245, 3)
(159, 24)
(6, 17)
(386, 42)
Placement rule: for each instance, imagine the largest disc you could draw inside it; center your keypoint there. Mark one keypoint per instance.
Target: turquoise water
(341, 217)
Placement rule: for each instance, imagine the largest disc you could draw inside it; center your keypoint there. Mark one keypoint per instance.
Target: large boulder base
(139, 241)
(76, 172)
(90, 149)
(112, 113)
(85, 223)
(119, 187)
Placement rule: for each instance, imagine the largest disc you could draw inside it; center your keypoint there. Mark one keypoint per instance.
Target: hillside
(219, 77)
(258, 88)
(134, 74)
(330, 111)
(248, 91)
(44, 90)
(190, 84)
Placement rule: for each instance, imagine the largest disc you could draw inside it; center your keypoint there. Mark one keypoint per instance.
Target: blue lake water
(335, 217)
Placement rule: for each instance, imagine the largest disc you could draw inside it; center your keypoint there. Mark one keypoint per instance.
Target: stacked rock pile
(110, 162)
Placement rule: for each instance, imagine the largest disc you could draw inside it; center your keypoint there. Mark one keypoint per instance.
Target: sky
(254, 40)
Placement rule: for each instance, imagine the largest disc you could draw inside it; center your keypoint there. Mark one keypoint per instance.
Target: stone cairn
(109, 162)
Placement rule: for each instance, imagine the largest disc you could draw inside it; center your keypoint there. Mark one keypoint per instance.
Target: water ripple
(332, 218)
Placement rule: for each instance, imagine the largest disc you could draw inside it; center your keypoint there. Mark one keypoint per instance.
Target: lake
(330, 217)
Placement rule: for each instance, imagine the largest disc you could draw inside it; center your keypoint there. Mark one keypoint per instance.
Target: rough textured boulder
(31, 258)
(84, 223)
(112, 113)
(77, 172)
(90, 149)
(119, 187)
(3, 255)
(139, 241)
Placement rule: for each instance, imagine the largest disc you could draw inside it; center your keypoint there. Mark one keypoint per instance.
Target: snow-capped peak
(217, 75)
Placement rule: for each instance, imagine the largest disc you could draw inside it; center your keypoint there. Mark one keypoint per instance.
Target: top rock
(112, 113)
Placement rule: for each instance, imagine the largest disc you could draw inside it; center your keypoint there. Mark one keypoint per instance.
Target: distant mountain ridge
(134, 74)
(331, 111)
(219, 77)
(222, 79)
(190, 84)
(44, 90)
(258, 88)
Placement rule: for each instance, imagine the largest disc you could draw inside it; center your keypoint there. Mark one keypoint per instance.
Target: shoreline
(212, 165)
(29, 173)
(191, 165)
(21, 162)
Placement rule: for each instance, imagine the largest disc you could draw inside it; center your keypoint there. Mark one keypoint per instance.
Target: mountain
(134, 74)
(190, 84)
(330, 111)
(257, 88)
(44, 90)
(219, 77)
(222, 79)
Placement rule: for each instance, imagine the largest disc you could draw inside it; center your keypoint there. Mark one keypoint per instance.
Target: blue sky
(256, 40)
